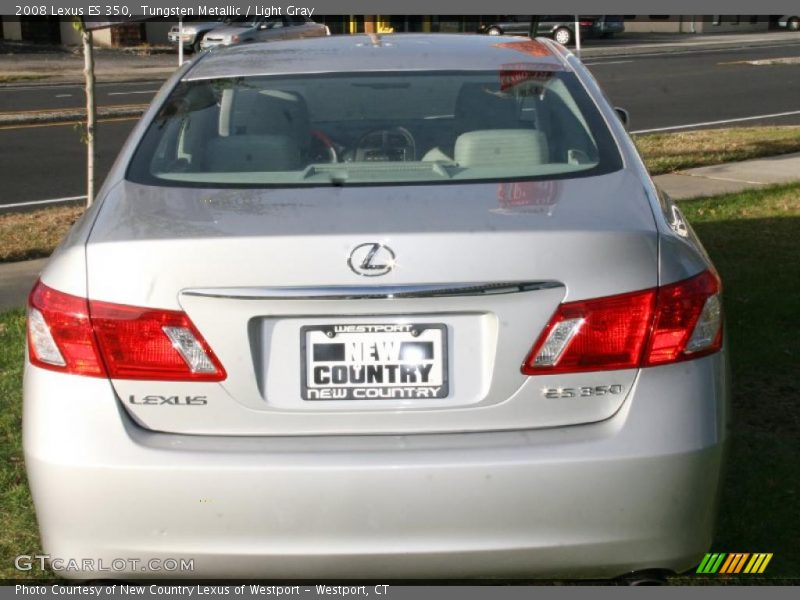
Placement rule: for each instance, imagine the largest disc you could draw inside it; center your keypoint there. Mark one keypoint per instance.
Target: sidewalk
(27, 64)
(16, 279)
(730, 177)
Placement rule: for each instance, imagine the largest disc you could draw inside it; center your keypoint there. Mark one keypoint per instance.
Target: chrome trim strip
(372, 292)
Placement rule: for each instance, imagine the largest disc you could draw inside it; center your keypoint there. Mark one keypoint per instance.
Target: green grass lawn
(754, 240)
(18, 534)
(668, 152)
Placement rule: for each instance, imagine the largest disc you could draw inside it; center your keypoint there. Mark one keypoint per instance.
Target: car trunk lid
(478, 271)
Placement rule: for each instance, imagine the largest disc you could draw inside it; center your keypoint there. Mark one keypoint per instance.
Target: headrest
(498, 147)
(274, 112)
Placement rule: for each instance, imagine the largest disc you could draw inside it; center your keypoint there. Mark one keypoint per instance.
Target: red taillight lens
(60, 335)
(142, 343)
(688, 323)
(596, 335)
(125, 342)
(675, 322)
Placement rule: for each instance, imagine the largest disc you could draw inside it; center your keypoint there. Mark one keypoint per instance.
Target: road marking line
(721, 122)
(35, 202)
(127, 93)
(689, 51)
(63, 95)
(611, 62)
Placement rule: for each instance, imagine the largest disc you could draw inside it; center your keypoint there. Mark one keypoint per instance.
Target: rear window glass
(375, 128)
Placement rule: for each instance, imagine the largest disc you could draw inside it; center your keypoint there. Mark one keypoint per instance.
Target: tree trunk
(91, 116)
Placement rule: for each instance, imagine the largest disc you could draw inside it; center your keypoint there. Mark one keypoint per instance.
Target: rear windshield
(375, 128)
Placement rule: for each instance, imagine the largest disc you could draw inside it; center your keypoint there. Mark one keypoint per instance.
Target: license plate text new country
(387, 361)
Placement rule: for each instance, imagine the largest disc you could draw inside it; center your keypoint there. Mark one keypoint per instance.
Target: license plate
(388, 361)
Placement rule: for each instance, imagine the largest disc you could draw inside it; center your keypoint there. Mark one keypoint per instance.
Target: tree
(91, 107)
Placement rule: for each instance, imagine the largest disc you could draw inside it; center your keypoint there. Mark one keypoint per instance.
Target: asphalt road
(660, 90)
(52, 97)
(46, 162)
(685, 88)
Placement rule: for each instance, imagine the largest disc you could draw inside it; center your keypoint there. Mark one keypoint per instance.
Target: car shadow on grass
(759, 262)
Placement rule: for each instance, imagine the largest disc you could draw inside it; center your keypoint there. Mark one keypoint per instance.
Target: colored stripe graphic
(701, 568)
(741, 562)
(734, 563)
(711, 563)
(732, 558)
(726, 564)
(758, 563)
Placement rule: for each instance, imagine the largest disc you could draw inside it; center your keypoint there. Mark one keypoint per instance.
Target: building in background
(55, 31)
(697, 23)
(472, 23)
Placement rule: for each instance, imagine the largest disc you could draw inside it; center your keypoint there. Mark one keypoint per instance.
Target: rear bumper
(175, 38)
(206, 44)
(636, 491)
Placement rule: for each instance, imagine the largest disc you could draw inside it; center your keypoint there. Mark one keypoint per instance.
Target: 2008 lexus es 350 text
(379, 307)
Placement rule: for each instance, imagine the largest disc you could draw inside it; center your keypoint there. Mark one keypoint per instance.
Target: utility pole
(180, 41)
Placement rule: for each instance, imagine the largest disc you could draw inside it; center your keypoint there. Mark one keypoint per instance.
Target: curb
(70, 115)
(78, 81)
(597, 52)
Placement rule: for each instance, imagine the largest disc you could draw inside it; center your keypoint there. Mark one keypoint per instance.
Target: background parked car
(264, 29)
(606, 26)
(790, 22)
(193, 33)
(560, 27)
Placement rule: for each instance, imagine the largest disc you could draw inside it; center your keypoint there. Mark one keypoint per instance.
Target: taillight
(594, 335)
(675, 322)
(688, 322)
(143, 343)
(60, 335)
(69, 334)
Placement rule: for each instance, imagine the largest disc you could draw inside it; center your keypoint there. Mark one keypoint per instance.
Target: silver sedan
(263, 29)
(378, 307)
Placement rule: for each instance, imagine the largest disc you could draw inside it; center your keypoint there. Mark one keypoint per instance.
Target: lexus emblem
(371, 259)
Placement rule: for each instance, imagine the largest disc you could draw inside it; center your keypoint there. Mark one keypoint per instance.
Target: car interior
(469, 124)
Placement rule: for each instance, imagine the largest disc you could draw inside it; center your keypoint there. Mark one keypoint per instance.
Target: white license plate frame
(384, 377)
